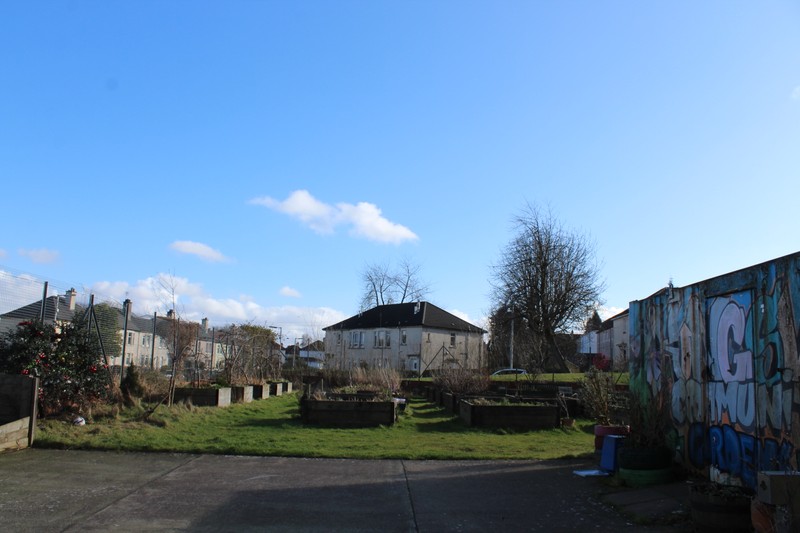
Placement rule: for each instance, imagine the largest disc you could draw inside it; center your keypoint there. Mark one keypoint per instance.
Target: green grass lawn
(273, 427)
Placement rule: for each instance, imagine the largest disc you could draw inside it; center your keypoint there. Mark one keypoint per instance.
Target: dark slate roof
(55, 308)
(406, 315)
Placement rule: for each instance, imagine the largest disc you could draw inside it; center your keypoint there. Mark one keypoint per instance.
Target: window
(146, 339)
(403, 338)
(208, 347)
(452, 339)
(382, 339)
(130, 338)
(357, 339)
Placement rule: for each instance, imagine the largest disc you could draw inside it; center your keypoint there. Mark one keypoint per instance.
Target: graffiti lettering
(687, 401)
(735, 399)
(775, 406)
(733, 360)
(736, 453)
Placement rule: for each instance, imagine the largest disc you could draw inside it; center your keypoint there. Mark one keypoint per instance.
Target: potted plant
(600, 401)
(646, 458)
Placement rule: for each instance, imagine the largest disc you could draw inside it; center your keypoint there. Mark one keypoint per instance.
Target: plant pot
(719, 508)
(647, 458)
(645, 478)
(601, 431)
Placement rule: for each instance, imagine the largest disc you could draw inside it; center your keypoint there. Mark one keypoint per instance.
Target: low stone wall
(17, 411)
(522, 416)
(204, 397)
(339, 413)
(16, 435)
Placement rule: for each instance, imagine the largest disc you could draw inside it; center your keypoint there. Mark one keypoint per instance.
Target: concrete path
(52, 490)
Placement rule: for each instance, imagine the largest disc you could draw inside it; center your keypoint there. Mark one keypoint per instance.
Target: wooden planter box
(204, 397)
(243, 394)
(450, 402)
(521, 416)
(260, 392)
(343, 413)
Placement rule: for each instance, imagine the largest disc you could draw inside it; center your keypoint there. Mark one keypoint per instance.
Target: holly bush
(67, 361)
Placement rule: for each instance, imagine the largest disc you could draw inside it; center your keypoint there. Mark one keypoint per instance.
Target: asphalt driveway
(55, 490)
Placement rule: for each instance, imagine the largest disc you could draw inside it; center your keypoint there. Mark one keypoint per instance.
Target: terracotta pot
(601, 431)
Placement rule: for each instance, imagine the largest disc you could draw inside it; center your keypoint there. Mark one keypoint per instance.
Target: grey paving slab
(52, 490)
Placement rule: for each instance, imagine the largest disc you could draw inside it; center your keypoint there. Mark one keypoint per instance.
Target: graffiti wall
(726, 352)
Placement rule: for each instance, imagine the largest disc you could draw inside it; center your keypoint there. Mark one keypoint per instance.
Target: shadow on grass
(429, 411)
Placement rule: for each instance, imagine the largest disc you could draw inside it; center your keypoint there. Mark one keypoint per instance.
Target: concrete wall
(726, 350)
(17, 411)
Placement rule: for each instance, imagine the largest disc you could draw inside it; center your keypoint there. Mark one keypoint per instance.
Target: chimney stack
(72, 295)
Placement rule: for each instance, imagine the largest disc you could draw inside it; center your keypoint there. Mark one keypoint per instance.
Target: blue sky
(261, 154)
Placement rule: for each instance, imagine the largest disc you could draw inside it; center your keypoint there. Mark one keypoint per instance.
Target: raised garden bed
(242, 394)
(220, 397)
(260, 392)
(511, 415)
(348, 413)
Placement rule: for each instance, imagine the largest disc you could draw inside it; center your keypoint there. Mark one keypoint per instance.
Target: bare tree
(181, 335)
(548, 278)
(383, 285)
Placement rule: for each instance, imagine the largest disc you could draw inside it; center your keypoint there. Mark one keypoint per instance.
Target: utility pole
(126, 311)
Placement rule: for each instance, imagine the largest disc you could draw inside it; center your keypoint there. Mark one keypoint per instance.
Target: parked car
(509, 371)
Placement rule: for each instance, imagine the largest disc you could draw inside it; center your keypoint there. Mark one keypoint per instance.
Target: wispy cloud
(290, 292)
(203, 251)
(364, 219)
(796, 93)
(42, 255)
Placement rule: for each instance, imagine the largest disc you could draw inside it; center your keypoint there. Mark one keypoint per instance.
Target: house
(313, 355)
(145, 340)
(413, 337)
(607, 345)
(725, 352)
(53, 309)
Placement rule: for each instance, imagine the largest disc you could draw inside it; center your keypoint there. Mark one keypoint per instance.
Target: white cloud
(365, 219)
(203, 251)
(796, 93)
(42, 255)
(607, 312)
(289, 292)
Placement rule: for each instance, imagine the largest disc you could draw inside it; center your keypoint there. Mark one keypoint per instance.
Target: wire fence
(24, 297)
(149, 341)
